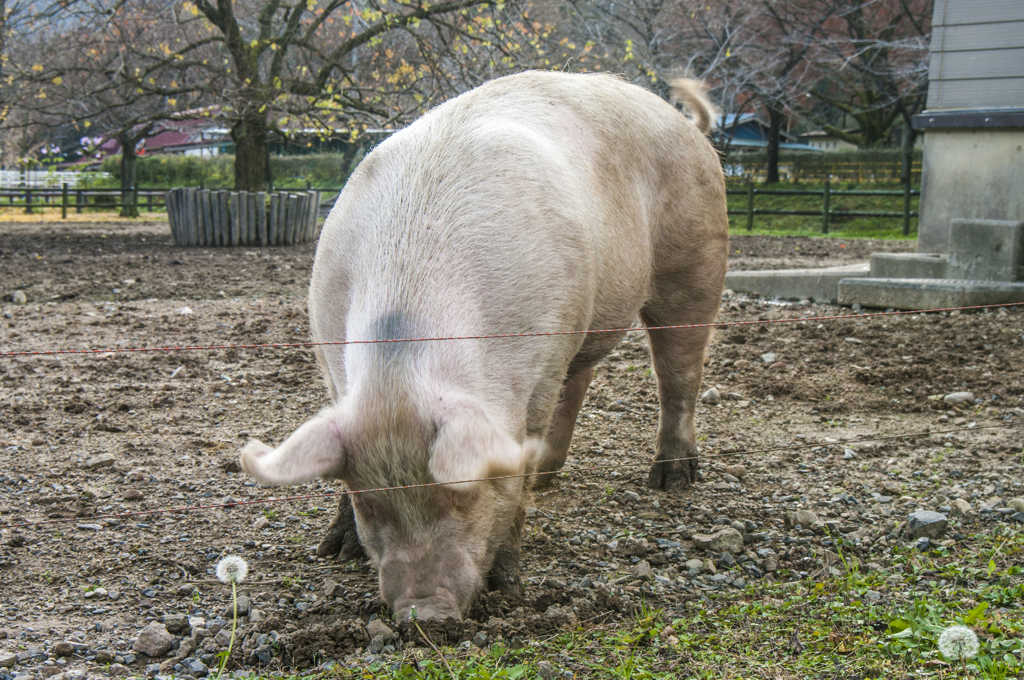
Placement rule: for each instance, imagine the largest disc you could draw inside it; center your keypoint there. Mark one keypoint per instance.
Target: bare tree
(775, 60)
(98, 86)
(333, 65)
(16, 19)
(750, 52)
(873, 63)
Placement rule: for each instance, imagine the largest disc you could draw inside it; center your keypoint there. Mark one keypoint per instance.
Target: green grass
(845, 227)
(810, 628)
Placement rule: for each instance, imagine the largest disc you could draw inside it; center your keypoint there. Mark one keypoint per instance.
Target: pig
(537, 202)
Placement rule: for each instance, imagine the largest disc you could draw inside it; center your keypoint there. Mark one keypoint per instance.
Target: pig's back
(530, 204)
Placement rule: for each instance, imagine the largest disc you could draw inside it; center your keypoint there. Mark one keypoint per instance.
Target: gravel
(173, 437)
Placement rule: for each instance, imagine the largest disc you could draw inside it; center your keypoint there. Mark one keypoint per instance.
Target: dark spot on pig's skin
(394, 325)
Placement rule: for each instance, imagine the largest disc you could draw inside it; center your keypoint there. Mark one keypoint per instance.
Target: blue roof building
(746, 130)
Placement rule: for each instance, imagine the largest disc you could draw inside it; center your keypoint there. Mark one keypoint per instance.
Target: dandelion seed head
(958, 642)
(232, 569)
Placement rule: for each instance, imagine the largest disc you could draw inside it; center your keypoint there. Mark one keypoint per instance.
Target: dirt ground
(87, 435)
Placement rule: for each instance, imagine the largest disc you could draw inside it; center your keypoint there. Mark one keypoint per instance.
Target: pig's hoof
(341, 539)
(506, 571)
(341, 544)
(671, 475)
(505, 575)
(545, 481)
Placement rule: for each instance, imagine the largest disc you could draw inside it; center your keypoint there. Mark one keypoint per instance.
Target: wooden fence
(79, 200)
(204, 217)
(826, 213)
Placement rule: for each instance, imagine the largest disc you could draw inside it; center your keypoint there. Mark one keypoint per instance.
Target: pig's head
(433, 546)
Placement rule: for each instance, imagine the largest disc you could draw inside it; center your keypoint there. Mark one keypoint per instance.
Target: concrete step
(820, 285)
(913, 294)
(909, 265)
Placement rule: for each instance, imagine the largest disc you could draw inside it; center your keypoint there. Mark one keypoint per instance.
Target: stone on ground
(378, 627)
(926, 523)
(727, 539)
(154, 640)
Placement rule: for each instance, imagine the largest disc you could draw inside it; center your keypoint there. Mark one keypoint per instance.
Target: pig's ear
(314, 450)
(469, 446)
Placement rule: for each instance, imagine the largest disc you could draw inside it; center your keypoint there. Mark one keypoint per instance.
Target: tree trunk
(269, 178)
(907, 154)
(775, 120)
(128, 156)
(251, 160)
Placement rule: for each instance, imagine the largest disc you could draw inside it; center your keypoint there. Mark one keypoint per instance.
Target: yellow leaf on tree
(57, 80)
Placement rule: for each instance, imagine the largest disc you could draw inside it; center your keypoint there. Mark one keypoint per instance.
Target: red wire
(353, 492)
(502, 335)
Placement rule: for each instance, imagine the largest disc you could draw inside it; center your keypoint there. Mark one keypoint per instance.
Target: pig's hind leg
(341, 539)
(678, 357)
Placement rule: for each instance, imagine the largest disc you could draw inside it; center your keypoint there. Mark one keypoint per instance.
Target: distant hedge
(864, 165)
(319, 170)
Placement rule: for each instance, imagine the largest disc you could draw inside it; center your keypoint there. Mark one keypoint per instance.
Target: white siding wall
(977, 55)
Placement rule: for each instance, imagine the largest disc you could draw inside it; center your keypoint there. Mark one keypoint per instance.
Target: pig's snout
(437, 588)
(439, 607)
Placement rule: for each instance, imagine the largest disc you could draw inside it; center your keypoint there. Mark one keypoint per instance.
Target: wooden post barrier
(223, 221)
(250, 214)
(191, 224)
(272, 221)
(261, 217)
(204, 200)
(289, 219)
(199, 217)
(169, 202)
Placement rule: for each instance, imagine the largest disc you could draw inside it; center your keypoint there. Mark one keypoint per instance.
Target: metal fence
(826, 213)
